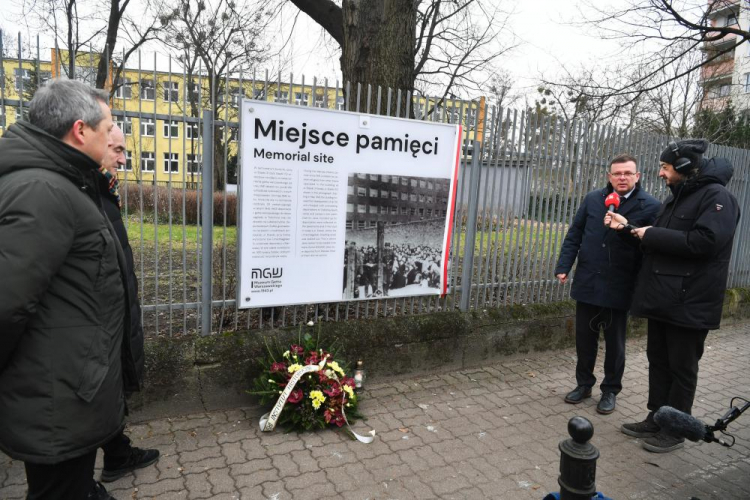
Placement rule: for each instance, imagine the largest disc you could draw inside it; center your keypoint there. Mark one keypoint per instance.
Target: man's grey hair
(60, 102)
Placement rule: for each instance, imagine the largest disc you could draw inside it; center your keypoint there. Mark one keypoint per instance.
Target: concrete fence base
(194, 374)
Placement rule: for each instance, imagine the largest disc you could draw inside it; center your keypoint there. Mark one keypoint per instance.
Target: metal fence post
(471, 228)
(207, 222)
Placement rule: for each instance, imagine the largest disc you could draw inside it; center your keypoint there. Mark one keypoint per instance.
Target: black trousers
(69, 480)
(590, 320)
(673, 354)
(116, 451)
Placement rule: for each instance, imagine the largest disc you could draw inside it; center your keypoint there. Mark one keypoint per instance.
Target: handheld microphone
(612, 201)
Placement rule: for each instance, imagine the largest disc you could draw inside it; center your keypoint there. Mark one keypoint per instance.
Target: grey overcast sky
(547, 42)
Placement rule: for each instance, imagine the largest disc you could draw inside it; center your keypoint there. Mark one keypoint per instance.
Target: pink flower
(297, 349)
(278, 367)
(295, 396)
(312, 359)
(334, 390)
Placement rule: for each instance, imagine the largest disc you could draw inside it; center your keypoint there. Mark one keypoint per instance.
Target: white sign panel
(342, 206)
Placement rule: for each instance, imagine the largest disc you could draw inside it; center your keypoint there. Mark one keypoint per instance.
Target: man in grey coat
(604, 278)
(64, 311)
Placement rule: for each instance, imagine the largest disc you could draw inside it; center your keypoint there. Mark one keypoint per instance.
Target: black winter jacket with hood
(686, 252)
(63, 307)
(608, 262)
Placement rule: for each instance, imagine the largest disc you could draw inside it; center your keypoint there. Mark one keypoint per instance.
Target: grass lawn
(162, 232)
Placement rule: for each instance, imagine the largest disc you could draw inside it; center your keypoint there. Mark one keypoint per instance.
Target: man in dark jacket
(682, 282)
(120, 457)
(63, 307)
(604, 279)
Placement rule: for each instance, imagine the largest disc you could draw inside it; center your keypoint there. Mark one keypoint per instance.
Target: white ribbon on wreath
(268, 421)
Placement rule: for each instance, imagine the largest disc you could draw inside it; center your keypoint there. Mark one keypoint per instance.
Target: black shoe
(645, 429)
(662, 442)
(578, 394)
(137, 459)
(606, 403)
(99, 492)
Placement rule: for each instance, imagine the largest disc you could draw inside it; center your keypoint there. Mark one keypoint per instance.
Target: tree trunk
(378, 49)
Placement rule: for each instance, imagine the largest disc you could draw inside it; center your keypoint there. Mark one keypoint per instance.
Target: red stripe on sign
(451, 210)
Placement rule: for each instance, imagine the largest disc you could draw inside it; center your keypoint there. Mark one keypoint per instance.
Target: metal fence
(522, 177)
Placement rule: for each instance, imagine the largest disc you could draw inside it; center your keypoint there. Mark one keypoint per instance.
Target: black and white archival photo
(394, 230)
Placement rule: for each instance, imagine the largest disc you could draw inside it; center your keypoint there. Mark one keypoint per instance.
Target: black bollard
(578, 462)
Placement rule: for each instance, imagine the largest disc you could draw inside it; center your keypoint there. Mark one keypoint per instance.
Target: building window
(348, 224)
(361, 191)
(360, 224)
(171, 129)
(23, 79)
(394, 210)
(171, 91)
(350, 190)
(404, 211)
(193, 164)
(404, 196)
(412, 211)
(320, 102)
(413, 197)
(422, 184)
(361, 209)
(281, 97)
(404, 181)
(192, 131)
(125, 123)
(421, 212)
(128, 162)
(148, 91)
(429, 199)
(373, 193)
(148, 128)
(373, 223)
(394, 179)
(394, 195)
(730, 20)
(350, 208)
(384, 194)
(123, 89)
(171, 163)
(429, 212)
(340, 103)
(194, 92)
(429, 185)
(301, 99)
(147, 161)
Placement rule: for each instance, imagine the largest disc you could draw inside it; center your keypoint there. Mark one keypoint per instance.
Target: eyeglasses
(623, 174)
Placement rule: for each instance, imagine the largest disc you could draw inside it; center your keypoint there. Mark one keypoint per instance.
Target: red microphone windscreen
(612, 200)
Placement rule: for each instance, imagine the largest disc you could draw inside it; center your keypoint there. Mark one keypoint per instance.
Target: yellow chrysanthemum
(348, 390)
(286, 354)
(335, 367)
(293, 368)
(317, 398)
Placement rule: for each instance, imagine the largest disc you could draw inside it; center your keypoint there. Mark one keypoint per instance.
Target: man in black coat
(604, 279)
(64, 313)
(682, 282)
(120, 457)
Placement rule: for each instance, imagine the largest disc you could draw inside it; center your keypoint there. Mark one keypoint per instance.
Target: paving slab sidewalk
(489, 432)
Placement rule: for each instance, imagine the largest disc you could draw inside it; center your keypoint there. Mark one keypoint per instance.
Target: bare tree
(214, 40)
(654, 28)
(93, 27)
(443, 45)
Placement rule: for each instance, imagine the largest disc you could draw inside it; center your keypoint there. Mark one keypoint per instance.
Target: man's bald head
(115, 156)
